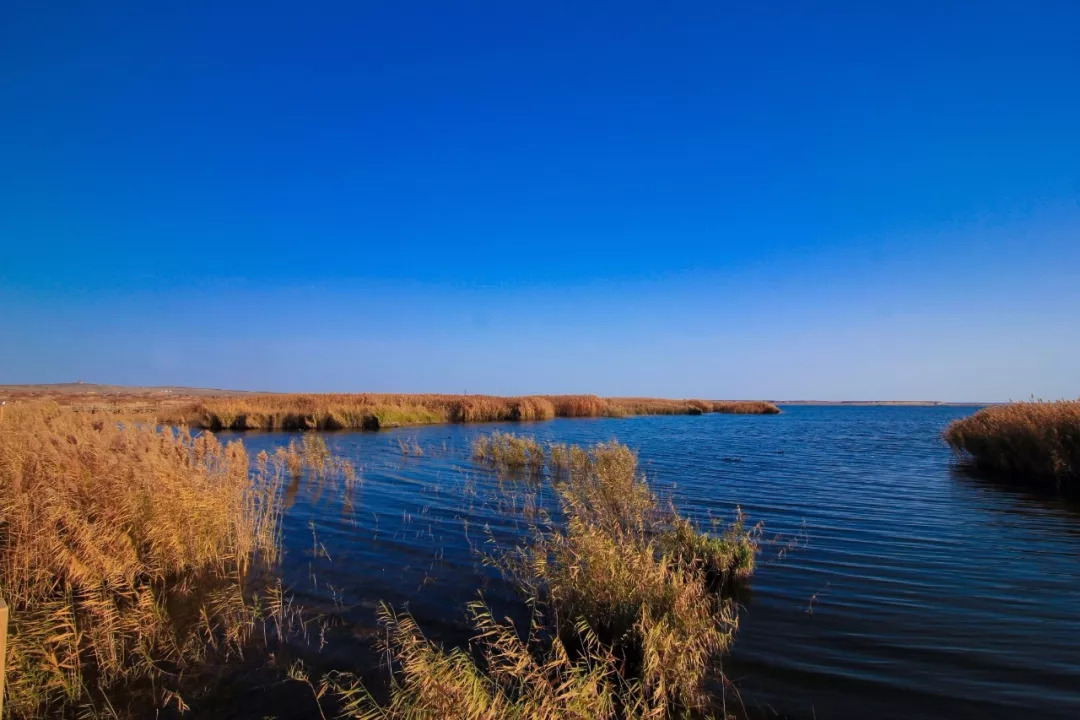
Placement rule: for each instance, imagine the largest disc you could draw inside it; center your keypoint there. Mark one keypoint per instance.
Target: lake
(894, 583)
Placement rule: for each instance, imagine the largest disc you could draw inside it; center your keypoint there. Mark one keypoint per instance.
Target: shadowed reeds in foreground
(1033, 442)
(122, 555)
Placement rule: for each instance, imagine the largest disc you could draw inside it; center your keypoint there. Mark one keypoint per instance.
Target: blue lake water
(895, 583)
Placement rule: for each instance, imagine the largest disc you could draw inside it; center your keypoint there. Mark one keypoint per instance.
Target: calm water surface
(897, 585)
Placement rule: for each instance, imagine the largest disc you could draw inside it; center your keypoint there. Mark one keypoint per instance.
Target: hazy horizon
(94, 386)
(844, 202)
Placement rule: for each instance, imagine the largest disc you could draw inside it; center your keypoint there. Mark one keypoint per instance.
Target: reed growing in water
(123, 551)
(373, 411)
(641, 578)
(632, 609)
(749, 407)
(509, 451)
(1030, 441)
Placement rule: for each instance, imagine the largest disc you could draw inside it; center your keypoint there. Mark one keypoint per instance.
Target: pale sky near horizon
(854, 201)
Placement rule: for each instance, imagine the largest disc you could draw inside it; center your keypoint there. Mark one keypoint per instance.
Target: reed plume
(105, 530)
(1034, 442)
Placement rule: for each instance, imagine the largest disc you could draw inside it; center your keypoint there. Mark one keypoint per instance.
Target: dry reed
(268, 411)
(509, 451)
(1037, 442)
(517, 679)
(752, 407)
(639, 577)
(122, 555)
(631, 603)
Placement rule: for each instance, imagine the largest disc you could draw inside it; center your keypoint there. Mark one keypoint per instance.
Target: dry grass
(509, 451)
(1031, 441)
(564, 459)
(517, 679)
(122, 555)
(251, 411)
(723, 561)
(639, 578)
(124, 549)
(312, 455)
(631, 613)
(753, 407)
(335, 412)
(435, 684)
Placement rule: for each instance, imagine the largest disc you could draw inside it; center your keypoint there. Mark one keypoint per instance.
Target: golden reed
(1036, 442)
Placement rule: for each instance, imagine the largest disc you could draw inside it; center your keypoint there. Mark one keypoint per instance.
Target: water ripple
(896, 585)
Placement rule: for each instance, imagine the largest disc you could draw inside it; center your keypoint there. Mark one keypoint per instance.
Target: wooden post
(3, 650)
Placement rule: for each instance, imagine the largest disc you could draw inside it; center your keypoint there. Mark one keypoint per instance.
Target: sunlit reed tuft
(123, 555)
(1034, 442)
(631, 609)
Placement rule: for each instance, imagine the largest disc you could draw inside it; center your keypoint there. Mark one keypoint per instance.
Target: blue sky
(729, 200)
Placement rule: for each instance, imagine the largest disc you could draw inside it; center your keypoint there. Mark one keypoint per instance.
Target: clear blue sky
(755, 199)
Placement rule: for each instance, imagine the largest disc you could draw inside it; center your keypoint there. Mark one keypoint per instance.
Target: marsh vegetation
(1032, 442)
(366, 411)
(371, 412)
(125, 551)
(631, 604)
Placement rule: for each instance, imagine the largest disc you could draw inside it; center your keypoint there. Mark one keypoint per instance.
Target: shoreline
(218, 410)
(884, 403)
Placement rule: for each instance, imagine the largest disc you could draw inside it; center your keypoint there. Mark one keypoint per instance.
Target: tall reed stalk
(123, 551)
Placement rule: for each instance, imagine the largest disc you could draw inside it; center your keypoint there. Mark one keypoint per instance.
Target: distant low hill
(82, 388)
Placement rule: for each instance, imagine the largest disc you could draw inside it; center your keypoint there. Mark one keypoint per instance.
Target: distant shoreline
(224, 410)
(79, 388)
(883, 403)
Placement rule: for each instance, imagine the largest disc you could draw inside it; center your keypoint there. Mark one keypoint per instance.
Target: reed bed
(752, 407)
(509, 451)
(631, 604)
(125, 548)
(249, 411)
(564, 459)
(123, 552)
(639, 578)
(654, 406)
(1036, 442)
